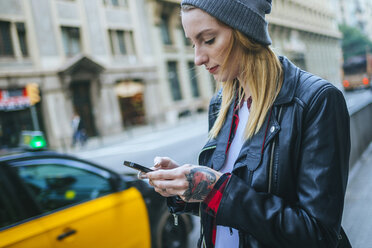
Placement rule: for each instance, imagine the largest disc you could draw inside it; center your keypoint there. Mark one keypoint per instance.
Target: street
(182, 143)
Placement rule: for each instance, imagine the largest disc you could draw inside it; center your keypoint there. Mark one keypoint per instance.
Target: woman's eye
(209, 42)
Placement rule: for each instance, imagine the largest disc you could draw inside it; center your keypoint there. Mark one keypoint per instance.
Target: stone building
(120, 63)
(93, 57)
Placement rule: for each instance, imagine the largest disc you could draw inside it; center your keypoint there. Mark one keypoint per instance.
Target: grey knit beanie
(247, 16)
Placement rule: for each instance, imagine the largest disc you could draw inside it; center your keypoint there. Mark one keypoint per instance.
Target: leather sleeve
(321, 178)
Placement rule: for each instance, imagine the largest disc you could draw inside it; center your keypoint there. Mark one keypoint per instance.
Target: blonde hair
(260, 71)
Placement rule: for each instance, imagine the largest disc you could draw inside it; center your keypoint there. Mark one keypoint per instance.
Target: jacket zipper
(201, 243)
(272, 158)
(271, 167)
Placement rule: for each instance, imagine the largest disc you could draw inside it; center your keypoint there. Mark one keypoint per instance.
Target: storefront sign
(15, 99)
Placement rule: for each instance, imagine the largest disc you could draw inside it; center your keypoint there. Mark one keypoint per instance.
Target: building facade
(307, 33)
(91, 57)
(120, 63)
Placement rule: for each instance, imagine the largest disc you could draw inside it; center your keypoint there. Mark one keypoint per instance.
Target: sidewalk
(139, 132)
(358, 202)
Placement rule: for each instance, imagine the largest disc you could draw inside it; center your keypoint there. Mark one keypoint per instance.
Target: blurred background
(119, 64)
(122, 72)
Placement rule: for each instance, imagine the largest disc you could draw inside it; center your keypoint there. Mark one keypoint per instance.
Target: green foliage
(354, 42)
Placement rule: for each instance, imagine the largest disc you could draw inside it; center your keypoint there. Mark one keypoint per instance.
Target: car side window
(8, 214)
(56, 185)
(12, 199)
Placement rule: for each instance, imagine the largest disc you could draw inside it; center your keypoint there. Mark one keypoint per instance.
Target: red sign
(13, 100)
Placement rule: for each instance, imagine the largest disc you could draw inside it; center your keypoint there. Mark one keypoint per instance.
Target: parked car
(357, 72)
(48, 199)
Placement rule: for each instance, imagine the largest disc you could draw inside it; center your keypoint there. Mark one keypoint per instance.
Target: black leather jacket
(286, 190)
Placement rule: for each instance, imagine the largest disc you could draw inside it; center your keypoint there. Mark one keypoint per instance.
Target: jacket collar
(288, 89)
(222, 139)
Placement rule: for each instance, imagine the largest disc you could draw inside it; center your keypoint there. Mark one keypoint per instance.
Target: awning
(129, 89)
(78, 63)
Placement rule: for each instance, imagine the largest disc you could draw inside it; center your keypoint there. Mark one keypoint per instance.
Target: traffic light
(33, 93)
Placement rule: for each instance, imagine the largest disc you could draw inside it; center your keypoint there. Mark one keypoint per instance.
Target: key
(175, 216)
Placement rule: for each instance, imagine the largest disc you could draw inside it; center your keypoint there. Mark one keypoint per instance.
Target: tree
(354, 42)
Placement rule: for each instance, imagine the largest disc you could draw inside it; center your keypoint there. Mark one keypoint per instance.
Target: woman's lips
(213, 69)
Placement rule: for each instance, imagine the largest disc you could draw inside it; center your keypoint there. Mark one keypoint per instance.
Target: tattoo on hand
(201, 181)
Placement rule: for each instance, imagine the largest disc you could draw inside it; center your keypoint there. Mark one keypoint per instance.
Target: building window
(122, 42)
(21, 31)
(71, 40)
(186, 40)
(116, 3)
(164, 27)
(173, 81)
(194, 80)
(6, 46)
(298, 59)
(8, 38)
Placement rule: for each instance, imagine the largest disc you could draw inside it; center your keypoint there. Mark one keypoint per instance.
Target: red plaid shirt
(213, 199)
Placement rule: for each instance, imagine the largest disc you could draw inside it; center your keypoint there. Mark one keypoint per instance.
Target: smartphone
(137, 166)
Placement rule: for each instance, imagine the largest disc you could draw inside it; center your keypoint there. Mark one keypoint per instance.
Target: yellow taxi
(55, 200)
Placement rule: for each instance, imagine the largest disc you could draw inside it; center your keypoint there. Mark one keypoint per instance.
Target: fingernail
(141, 175)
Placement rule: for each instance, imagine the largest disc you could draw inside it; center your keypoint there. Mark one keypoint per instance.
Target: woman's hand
(164, 163)
(190, 182)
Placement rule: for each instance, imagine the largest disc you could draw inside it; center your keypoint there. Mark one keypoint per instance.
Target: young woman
(275, 169)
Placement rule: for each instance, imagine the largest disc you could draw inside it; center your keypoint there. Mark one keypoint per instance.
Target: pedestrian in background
(79, 135)
(275, 168)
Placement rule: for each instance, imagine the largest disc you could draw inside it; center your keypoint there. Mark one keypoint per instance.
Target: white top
(223, 236)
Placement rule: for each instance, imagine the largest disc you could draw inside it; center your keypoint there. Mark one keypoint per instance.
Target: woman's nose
(201, 58)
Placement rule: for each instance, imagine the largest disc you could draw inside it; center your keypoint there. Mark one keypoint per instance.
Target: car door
(16, 226)
(80, 208)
